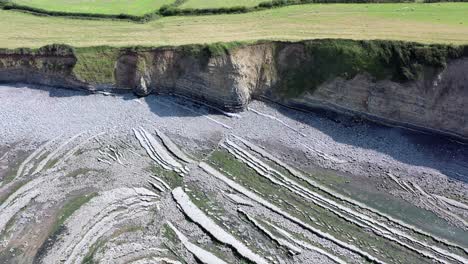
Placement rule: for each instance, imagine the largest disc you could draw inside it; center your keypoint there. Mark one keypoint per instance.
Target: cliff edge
(399, 83)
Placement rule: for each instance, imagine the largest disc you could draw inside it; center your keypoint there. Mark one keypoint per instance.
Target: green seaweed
(69, 208)
(89, 258)
(298, 207)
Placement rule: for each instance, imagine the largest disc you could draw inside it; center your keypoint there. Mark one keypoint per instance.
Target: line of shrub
(53, 49)
(174, 10)
(170, 10)
(39, 11)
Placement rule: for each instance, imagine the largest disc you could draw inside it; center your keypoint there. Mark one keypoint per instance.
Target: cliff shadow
(163, 105)
(166, 105)
(52, 91)
(57, 91)
(438, 152)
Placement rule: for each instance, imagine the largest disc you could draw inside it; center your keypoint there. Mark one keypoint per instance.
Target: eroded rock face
(281, 72)
(125, 71)
(52, 70)
(224, 81)
(437, 103)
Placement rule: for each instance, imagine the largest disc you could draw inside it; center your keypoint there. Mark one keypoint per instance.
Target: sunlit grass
(113, 7)
(428, 23)
(220, 3)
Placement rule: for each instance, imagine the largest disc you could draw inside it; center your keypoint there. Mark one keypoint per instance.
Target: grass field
(219, 3)
(113, 7)
(428, 23)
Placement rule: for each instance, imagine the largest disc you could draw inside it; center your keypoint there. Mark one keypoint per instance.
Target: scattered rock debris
(93, 178)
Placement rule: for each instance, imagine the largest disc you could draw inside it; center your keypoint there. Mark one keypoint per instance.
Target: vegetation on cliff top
(96, 64)
(211, 49)
(53, 49)
(395, 60)
(427, 23)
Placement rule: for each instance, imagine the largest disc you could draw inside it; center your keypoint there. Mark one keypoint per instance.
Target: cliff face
(39, 68)
(424, 87)
(439, 105)
(227, 81)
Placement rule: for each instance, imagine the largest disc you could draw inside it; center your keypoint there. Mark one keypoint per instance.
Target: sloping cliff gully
(419, 86)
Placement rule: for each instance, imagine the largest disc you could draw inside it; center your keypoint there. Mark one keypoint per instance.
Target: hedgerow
(39, 11)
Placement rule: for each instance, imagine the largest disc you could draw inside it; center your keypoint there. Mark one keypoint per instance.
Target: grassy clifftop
(97, 64)
(426, 23)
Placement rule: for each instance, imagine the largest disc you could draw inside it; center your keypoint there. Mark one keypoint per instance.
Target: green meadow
(111, 7)
(219, 3)
(426, 23)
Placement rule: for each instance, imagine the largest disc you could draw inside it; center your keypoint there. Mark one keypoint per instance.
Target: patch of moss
(205, 200)
(11, 174)
(169, 234)
(12, 190)
(69, 208)
(10, 254)
(89, 258)
(58, 228)
(302, 209)
(78, 172)
(50, 164)
(96, 65)
(141, 65)
(127, 229)
(170, 177)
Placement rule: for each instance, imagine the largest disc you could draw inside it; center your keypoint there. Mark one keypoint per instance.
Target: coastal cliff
(408, 84)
